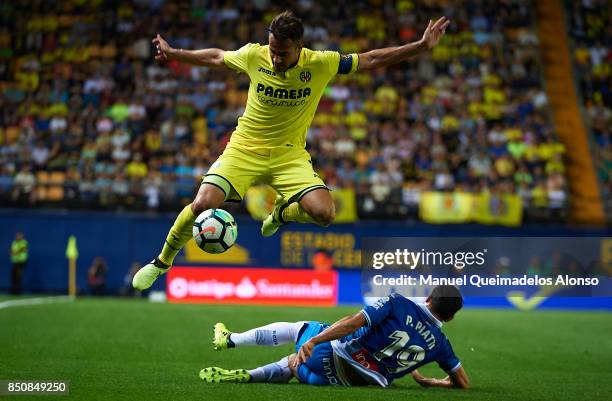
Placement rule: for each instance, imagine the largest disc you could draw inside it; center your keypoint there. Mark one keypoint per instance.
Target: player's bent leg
(208, 197)
(273, 334)
(319, 369)
(305, 375)
(316, 206)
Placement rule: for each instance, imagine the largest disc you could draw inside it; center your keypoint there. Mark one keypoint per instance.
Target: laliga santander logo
(246, 285)
(178, 287)
(246, 289)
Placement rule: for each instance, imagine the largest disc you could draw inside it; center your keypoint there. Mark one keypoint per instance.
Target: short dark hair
(286, 26)
(445, 301)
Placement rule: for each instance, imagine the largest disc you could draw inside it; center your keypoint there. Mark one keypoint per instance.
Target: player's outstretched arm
(392, 55)
(457, 379)
(343, 327)
(212, 58)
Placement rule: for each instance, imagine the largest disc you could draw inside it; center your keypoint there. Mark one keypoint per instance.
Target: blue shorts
(319, 369)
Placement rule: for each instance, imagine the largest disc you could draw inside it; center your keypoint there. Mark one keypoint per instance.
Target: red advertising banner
(252, 286)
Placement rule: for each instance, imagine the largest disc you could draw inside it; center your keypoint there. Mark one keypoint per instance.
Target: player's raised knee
(208, 197)
(324, 215)
(329, 216)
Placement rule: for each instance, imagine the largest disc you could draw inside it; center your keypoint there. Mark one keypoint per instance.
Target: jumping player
(286, 84)
(381, 343)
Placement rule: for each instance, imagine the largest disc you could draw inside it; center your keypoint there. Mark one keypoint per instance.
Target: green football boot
(220, 375)
(271, 224)
(221, 338)
(146, 276)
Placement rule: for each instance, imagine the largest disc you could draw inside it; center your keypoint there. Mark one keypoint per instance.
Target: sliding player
(381, 343)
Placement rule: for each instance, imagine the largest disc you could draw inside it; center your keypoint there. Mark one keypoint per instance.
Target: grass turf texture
(114, 349)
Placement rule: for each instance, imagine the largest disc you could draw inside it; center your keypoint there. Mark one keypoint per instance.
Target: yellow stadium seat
(55, 193)
(57, 178)
(42, 177)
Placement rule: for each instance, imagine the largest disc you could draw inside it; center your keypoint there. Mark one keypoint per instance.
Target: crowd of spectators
(89, 120)
(591, 33)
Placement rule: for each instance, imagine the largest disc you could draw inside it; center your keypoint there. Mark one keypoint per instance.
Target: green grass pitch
(115, 349)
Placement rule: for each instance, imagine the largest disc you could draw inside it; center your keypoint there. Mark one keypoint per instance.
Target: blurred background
(503, 129)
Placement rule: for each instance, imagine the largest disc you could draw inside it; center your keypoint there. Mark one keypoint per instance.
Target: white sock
(276, 372)
(273, 334)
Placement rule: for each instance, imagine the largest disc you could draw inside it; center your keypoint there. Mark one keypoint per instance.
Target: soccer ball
(215, 230)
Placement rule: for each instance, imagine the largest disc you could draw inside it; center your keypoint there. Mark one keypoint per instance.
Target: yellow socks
(179, 234)
(295, 212)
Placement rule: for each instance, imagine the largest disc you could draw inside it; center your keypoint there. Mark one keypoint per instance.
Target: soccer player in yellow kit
(287, 81)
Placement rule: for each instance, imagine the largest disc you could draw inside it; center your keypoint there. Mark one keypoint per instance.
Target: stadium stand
(588, 23)
(88, 119)
(586, 205)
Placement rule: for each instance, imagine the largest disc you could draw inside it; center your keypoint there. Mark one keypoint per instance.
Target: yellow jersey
(281, 106)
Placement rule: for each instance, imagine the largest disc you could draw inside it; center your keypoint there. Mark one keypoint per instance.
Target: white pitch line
(36, 301)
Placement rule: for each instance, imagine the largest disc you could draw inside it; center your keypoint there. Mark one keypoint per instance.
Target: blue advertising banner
(122, 239)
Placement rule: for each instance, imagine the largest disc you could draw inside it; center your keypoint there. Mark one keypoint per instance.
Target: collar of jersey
(434, 319)
(300, 62)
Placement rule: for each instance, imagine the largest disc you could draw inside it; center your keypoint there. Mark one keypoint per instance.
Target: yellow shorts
(287, 169)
